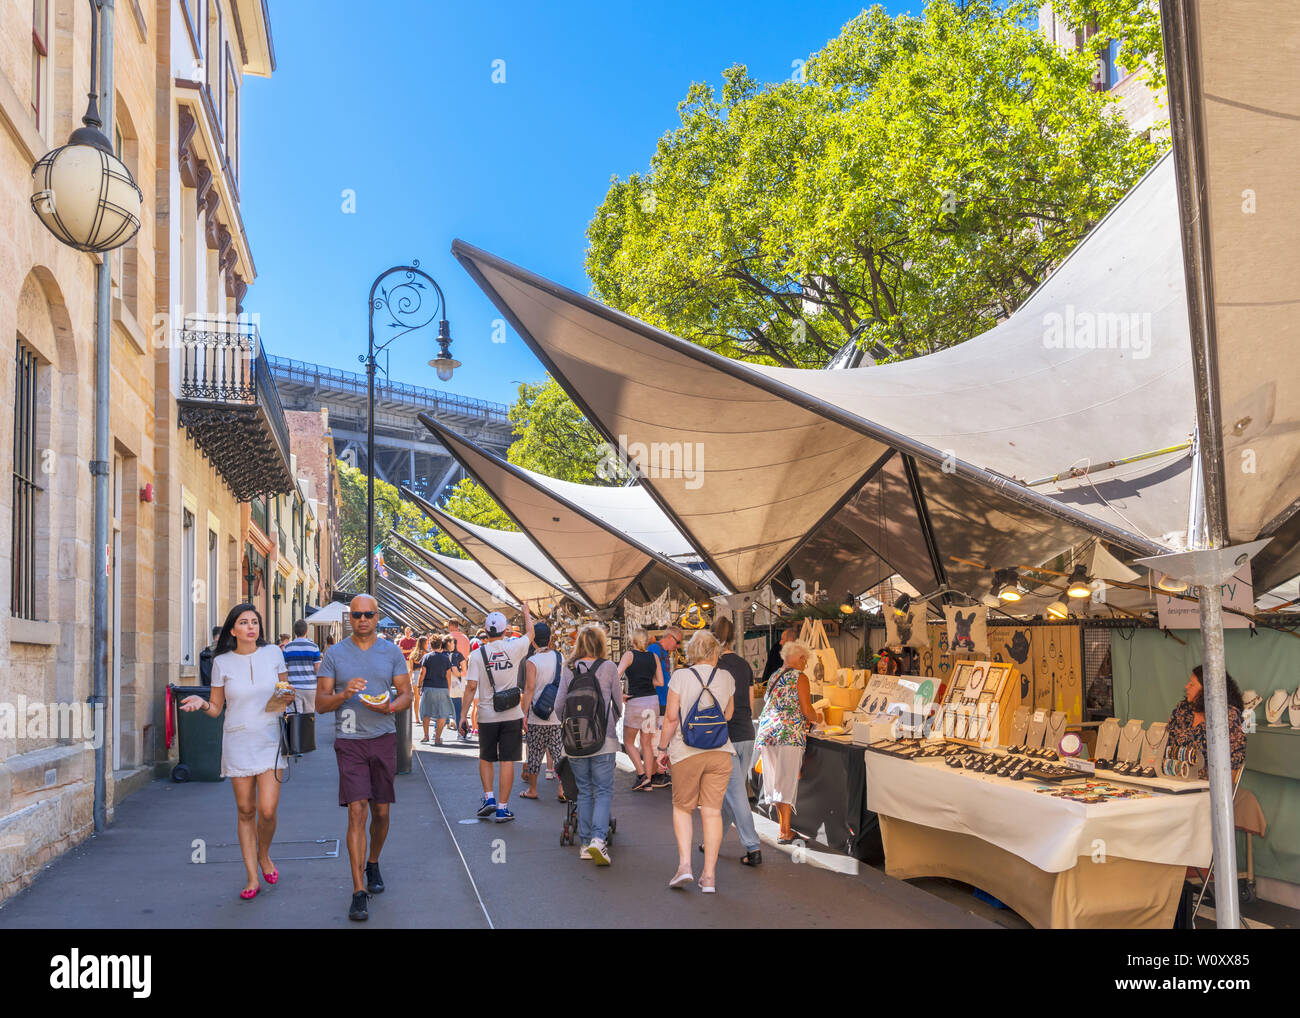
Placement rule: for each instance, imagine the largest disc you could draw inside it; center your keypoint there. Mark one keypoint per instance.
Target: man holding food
(353, 681)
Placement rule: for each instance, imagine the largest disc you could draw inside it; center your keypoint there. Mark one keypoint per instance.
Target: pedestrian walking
(495, 681)
(250, 681)
(435, 700)
(406, 642)
(645, 677)
(589, 703)
(302, 656)
(205, 658)
(545, 670)
(781, 734)
(354, 681)
(282, 641)
(773, 664)
(664, 649)
(700, 701)
(740, 730)
(455, 683)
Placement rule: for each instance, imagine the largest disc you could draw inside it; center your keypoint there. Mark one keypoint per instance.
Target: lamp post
(86, 197)
(404, 303)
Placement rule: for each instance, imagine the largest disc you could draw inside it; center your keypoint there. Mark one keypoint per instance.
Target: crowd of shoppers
(571, 708)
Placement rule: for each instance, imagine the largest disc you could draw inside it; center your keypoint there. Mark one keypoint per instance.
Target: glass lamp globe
(444, 366)
(85, 196)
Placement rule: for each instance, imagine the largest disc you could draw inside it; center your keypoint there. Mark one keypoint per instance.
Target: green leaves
(916, 188)
(554, 438)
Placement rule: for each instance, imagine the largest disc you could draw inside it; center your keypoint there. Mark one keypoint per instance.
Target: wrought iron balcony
(230, 407)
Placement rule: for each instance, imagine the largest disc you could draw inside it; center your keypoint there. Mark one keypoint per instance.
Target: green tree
(392, 513)
(1134, 23)
(557, 440)
(913, 191)
(469, 501)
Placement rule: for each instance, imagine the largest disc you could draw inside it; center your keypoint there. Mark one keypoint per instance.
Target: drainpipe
(99, 466)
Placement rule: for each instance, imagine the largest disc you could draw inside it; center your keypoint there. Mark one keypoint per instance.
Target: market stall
(1059, 862)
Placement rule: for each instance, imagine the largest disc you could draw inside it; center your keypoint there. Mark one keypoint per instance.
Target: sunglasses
(362, 615)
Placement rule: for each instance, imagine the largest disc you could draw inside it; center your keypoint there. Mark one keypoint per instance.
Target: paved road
(440, 872)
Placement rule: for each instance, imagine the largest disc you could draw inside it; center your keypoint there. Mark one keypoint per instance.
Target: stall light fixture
(846, 606)
(1080, 585)
(1008, 588)
(903, 603)
(1058, 610)
(1171, 584)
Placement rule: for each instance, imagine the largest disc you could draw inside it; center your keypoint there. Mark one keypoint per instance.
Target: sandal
(273, 877)
(249, 893)
(681, 880)
(525, 795)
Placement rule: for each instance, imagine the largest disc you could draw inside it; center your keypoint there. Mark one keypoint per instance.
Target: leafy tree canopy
(1134, 23)
(915, 189)
(392, 513)
(557, 440)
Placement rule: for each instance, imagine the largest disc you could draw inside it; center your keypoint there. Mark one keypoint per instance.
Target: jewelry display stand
(1037, 729)
(1153, 745)
(1107, 739)
(1130, 742)
(1019, 727)
(1055, 730)
(980, 702)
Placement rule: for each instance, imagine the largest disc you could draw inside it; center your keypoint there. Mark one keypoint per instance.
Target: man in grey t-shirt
(353, 681)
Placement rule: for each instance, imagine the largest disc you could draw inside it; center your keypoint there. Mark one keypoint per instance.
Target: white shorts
(641, 713)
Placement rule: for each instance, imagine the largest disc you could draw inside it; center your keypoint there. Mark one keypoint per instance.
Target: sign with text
(1238, 592)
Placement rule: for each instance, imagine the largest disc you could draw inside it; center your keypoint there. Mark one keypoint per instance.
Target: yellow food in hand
(375, 700)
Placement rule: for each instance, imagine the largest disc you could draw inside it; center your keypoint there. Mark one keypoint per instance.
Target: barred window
(22, 593)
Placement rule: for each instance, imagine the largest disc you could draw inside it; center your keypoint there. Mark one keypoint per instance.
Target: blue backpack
(544, 701)
(705, 727)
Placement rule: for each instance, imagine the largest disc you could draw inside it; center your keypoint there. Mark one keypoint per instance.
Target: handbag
(507, 698)
(297, 732)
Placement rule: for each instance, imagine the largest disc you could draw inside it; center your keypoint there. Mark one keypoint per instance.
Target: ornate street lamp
(82, 192)
(404, 303)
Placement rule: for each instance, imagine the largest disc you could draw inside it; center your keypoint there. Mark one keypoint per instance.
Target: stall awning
(485, 590)
(750, 461)
(523, 569)
(604, 536)
(449, 593)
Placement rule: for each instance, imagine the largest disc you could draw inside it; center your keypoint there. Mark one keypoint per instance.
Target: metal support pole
(99, 466)
(1227, 908)
(370, 461)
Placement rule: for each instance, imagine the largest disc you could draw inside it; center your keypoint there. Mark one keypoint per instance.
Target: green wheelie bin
(199, 738)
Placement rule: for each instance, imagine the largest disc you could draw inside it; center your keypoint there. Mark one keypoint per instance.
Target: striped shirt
(301, 656)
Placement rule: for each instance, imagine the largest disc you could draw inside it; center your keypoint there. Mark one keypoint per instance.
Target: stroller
(569, 785)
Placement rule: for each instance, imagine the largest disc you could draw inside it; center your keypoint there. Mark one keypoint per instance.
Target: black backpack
(586, 714)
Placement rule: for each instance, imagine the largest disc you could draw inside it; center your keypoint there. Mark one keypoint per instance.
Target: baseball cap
(495, 624)
(541, 634)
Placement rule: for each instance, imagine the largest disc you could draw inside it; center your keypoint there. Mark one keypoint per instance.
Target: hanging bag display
(824, 665)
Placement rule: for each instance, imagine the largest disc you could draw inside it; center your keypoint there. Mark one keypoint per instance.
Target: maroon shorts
(367, 768)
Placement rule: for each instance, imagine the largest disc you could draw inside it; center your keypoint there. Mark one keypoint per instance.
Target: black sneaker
(374, 882)
(661, 780)
(358, 911)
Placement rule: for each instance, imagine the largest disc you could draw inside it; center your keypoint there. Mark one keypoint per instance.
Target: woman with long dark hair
(1187, 722)
(251, 682)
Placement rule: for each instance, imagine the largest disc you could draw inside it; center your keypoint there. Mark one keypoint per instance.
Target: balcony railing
(230, 406)
(258, 509)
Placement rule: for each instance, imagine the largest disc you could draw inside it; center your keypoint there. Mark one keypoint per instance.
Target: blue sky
(395, 101)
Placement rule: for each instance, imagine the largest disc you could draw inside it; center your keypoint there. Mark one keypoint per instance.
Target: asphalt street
(170, 860)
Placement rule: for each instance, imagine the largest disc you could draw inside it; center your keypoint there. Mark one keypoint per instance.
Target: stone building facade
(194, 467)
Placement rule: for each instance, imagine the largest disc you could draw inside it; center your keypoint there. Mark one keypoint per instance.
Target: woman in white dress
(246, 671)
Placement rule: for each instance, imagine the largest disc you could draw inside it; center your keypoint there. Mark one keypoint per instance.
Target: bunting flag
(380, 568)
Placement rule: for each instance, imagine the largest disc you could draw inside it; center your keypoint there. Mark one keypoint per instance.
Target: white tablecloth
(1051, 833)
